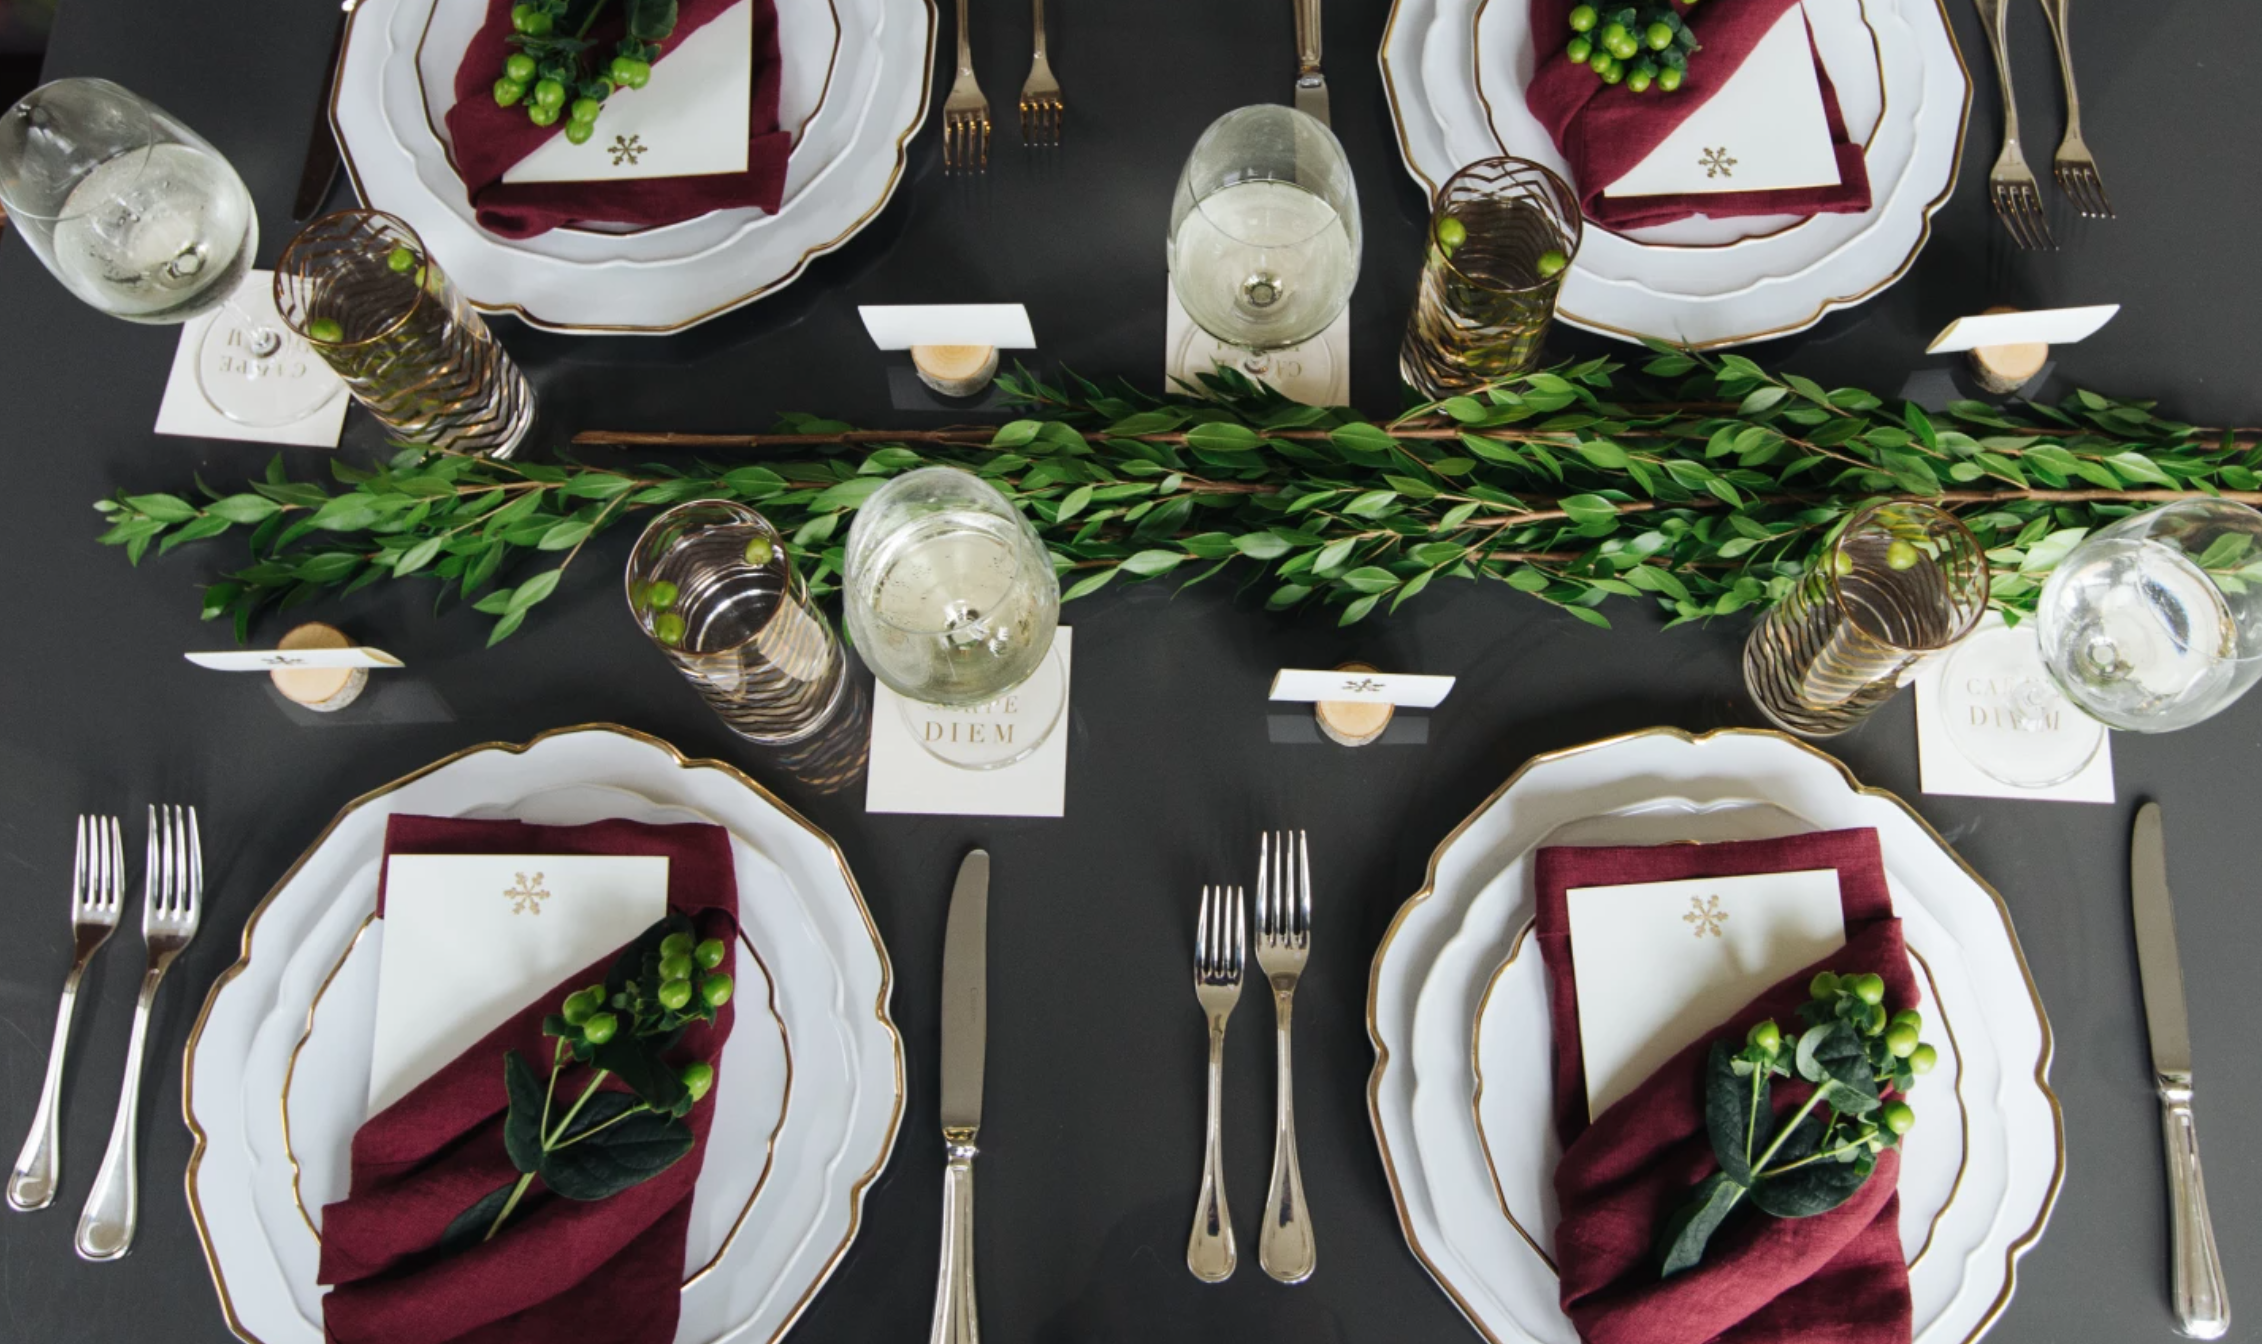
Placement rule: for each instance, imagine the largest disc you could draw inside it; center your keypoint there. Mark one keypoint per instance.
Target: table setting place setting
(1685, 1037)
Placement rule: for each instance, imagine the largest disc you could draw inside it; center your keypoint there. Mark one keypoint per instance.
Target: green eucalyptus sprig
(1704, 483)
(604, 1141)
(1861, 1060)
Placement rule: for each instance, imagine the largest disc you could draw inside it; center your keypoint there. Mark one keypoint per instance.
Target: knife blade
(1311, 85)
(322, 146)
(2195, 1268)
(965, 1027)
(965, 1014)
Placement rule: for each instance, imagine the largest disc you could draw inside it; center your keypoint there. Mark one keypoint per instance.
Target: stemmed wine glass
(953, 602)
(1264, 234)
(143, 219)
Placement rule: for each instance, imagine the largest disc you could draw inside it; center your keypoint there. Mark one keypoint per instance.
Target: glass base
(2008, 718)
(1006, 729)
(256, 371)
(1305, 373)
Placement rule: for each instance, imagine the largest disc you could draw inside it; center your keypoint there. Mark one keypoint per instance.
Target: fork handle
(39, 1166)
(1038, 20)
(965, 43)
(1210, 1252)
(2055, 12)
(106, 1225)
(1991, 19)
(1284, 1246)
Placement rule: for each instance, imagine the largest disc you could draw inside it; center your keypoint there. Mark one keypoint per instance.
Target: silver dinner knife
(965, 1024)
(1311, 85)
(2203, 1305)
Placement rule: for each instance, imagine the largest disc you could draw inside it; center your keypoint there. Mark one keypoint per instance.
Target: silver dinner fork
(2076, 171)
(1041, 107)
(1284, 941)
(172, 898)
(966, 113)
(2010, 184)
(1221, 947)
(98, 884)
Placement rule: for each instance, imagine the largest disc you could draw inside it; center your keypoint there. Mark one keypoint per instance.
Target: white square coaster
(905, 777)
(1944, 769)
(185, 411)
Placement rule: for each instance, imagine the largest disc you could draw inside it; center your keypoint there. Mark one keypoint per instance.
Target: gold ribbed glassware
(1486, 298)
(1900, 581)
(711, 584)
(359, 286)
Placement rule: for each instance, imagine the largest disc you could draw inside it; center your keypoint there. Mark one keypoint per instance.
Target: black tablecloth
(1092, 1144)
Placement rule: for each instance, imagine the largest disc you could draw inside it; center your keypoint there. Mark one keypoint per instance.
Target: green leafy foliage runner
(1701, 483)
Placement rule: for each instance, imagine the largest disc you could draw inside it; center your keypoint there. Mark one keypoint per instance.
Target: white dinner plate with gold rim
(850, 157)
(798, 903)
(1702, 282)
(1443, 948)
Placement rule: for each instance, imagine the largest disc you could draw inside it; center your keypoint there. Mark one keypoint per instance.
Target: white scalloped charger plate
(1703, 282)
(830, 1123)
(1482, 1227)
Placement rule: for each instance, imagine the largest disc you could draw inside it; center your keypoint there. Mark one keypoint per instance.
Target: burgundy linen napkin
(489, 139)
(1606, 129)
(1835, 1278)
(606, 1272)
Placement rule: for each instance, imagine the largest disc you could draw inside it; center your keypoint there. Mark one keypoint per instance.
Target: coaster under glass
(998, 733)
(257, 372)
(2007, 717)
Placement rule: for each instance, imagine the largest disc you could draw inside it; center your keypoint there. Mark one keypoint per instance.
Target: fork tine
(1202, 937)
(81, 892)
(1240, 936)
(149, 868)
(1266, 888)
(1303, 887)
(114, 874)
(196, 863)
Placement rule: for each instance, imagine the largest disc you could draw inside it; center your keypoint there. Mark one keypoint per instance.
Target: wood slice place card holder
(1355, 702)
(314, 666)
(954, 346)
(2006, 349)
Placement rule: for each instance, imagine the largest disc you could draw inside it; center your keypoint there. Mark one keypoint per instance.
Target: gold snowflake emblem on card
(627, 149)
(527, 896)
(1705, 913)
(1716, 163)
(1363, 686)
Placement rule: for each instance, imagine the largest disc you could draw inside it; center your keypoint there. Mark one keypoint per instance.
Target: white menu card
(1662, 964)
(470, 939)
(1765, 130)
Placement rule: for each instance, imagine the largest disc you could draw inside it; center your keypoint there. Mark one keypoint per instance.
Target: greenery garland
(1704, 483)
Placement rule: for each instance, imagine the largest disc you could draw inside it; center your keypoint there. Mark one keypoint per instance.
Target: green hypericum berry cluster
(547, 75)
(1897, 1055)
(655, 601)
(677, 985)
(1646, 45)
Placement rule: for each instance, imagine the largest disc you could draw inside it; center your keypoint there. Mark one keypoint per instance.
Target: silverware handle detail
(2202, 1302)
(956, 1321)
(1037, 18)
(965, 43)
(39, 1166)
(1210, 1253)
(113, 1207)
(1284, 1246)
(1991, 19)
(2055, 12)
(1307, 37)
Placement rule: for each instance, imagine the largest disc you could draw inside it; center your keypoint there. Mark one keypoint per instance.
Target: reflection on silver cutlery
(1284, 940)
(98, 884)
(1311, 85)
(966, 113)
(1041, 107)
(965, 1048)
(172, 899)
(2075, 169)
(2202, 1302)
(1221, 948)
(2010, 184)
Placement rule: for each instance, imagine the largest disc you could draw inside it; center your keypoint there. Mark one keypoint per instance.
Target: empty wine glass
(1264, 233)
(952, 602)
(143, 219)
(2155, 623)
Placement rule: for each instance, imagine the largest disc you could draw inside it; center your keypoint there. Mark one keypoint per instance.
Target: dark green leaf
(522, 1126)
(625, 1155)
(469, 1228)
(1681, 1245)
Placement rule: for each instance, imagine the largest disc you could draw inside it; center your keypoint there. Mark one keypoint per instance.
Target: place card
(1316, 373)
(1002, 326)
(689, 121)
(1660, 965)
(2041, 326)
(1944, 767)
(1765, 130)
(1381, 688)
(471, 939)
(186, 411)
(905, 777)
(268, 660)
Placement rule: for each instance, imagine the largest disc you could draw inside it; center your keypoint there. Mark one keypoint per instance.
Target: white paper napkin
(1765, 130)
(689, 121)
(470, 939)
(905, 777)
(186, 411)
